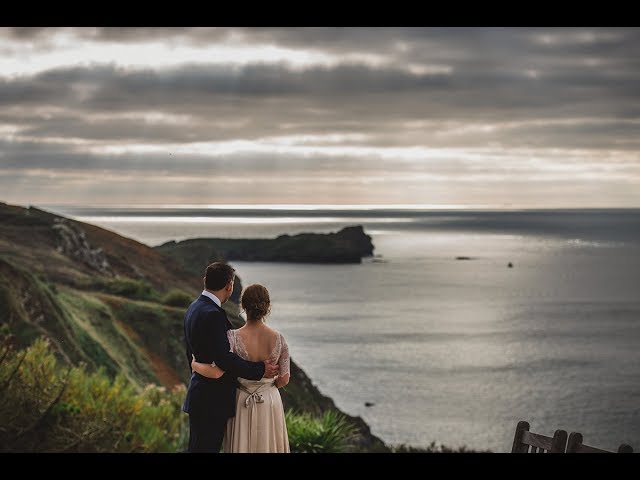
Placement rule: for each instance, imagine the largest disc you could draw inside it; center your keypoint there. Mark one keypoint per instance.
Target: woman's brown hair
(256, 302)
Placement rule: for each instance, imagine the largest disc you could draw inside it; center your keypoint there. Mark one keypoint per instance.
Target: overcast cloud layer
(434, 116)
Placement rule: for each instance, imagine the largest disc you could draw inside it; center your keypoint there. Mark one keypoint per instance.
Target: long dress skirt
(259, 425)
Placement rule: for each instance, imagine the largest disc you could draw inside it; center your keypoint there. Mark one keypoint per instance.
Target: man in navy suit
(211, 401)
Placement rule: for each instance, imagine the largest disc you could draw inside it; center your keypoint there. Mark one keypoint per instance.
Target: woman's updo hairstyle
(255, 302)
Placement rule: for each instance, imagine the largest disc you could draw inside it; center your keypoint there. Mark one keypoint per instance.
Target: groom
(209, 401)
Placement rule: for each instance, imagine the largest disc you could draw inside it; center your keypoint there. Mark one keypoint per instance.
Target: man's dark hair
(217, 276)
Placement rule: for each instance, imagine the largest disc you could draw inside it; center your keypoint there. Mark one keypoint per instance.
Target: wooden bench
(525, 441)
(575, 445)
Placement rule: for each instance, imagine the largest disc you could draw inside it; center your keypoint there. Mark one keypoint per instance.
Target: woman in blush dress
(259, 424)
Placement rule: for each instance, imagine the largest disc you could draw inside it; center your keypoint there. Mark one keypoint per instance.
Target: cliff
(101, 299)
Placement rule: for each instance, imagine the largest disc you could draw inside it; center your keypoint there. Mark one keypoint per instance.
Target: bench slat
(537, 440)
(581, 448)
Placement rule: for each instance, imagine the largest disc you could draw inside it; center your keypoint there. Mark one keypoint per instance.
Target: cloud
(295, 105)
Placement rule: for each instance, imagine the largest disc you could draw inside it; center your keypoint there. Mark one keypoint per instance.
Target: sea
(464, 321)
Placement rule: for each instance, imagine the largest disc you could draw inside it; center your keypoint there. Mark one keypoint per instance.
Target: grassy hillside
(108, 302)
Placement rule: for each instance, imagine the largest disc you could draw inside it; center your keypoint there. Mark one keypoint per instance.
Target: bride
(258, 424)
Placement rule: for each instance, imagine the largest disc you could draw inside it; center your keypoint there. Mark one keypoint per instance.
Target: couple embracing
(233, 398)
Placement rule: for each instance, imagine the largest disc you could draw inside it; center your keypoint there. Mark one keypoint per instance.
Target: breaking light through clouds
(501, 117)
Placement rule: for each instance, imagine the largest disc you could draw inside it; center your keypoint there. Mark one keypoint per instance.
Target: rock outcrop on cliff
(73, 243)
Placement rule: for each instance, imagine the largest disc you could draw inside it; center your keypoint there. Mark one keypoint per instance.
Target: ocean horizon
(446, 350)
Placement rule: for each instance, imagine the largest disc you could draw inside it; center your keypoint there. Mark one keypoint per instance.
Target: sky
(467, 117)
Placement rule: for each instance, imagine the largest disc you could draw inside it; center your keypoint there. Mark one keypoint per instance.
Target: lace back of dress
(280, 351)
(236, 345)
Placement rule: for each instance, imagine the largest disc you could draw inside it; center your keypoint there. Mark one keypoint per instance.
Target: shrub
(134, 289)
(177, 298)
(45, 407)
(433, 448)
(308, 434)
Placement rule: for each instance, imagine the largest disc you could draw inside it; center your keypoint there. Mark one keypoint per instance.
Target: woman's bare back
(258, 342)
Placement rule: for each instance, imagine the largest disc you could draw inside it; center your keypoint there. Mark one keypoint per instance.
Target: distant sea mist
(605, 224)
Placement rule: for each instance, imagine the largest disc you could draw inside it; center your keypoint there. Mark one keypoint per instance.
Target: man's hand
(271, 369)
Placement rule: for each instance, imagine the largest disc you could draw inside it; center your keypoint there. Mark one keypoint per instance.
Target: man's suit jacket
(205, 335)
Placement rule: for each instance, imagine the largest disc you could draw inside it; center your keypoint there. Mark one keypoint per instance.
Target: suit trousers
(206, 431)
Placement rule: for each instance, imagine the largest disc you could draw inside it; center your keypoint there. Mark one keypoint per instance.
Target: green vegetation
(309, 434)
(135, 289)
(103, 339)
(45, 407)
(177, 298)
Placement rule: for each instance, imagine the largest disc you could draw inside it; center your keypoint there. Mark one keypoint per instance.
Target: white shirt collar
(212, 297)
